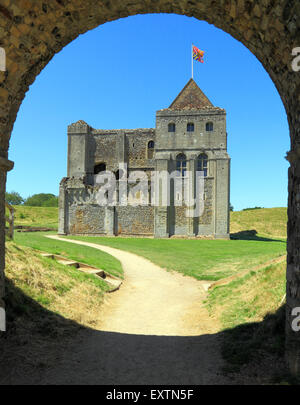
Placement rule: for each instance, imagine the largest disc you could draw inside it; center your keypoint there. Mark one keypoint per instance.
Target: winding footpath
(155, 330)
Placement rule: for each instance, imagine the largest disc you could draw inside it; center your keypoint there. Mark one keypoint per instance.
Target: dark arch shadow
(41, 347)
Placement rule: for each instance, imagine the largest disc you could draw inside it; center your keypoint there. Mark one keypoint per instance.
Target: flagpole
(192, 64)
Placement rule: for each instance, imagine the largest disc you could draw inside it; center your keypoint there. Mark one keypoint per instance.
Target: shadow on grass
(34, 337)
(41, 347)
(252, 235)
(252, 344)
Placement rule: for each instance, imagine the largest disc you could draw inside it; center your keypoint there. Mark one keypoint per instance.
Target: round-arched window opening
(181, 164)
(209, 126)
(150, 150)
(202, 164)
(190, 127)
(101, 167)
(171, 127)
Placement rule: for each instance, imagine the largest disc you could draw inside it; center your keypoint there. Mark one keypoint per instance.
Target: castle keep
(190, 135)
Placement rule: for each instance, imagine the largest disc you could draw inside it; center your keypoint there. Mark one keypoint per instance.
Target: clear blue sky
(119, 74)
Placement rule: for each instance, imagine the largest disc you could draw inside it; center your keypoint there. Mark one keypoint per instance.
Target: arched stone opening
(99, 168)
(33, 32)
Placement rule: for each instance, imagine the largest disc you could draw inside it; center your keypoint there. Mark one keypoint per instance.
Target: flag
(198, 54)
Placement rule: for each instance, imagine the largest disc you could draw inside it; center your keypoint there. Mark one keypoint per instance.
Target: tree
(52, 202)
(42, 200)
(14, 198)
(231, 207)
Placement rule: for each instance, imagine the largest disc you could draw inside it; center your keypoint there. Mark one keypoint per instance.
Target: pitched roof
(190, 97)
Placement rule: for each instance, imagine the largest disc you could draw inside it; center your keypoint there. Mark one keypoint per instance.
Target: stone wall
(182, 139)
(33, 31)
(135, 220)
(133, 150)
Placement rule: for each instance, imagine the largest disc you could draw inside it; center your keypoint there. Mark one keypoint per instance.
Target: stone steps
(113, 281)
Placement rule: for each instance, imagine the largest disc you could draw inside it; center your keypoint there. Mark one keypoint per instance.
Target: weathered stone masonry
(33, 31)
(92, 151)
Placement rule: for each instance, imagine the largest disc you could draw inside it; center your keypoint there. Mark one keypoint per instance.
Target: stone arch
(150, 149)
(31, 33)
(181, 163)
(202, 163)
(99, 167)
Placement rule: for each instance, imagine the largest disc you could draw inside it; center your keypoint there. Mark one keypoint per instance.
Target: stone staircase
(111, 280)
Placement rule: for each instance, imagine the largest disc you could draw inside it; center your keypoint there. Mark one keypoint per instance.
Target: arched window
(190, 127)
(150, 149)
(100, 167)
(209, 126)
(171, 127)
(181, 164)
(202, 164)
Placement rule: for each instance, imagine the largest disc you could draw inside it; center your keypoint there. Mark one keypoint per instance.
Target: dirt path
(155, 330)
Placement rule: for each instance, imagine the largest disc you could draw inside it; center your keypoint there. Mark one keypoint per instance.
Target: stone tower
(193, 128)
(190, 137)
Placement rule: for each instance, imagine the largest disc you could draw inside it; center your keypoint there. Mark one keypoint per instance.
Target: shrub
(42, 200)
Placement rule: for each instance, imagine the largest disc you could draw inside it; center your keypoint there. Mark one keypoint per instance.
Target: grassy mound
(252, 316)
(36, 216)
(57, 288)
(266, 221)
(47, 304)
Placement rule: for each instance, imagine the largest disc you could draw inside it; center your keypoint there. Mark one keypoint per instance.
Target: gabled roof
(190, 97)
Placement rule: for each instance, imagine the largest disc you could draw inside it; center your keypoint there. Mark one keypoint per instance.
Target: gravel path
(155, 330)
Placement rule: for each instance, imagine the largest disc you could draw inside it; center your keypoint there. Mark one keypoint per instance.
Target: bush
(42, 200)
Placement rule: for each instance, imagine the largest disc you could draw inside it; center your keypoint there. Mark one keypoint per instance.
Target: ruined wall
(135, 220)
(86, 219)
(79, 211)
(106, 146)
(84, 216)
(137, 148)
(128, 146)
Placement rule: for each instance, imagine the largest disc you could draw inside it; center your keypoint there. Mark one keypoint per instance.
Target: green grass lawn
(36, 216)
(202, 259)
(247, 309)
(93, 257)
